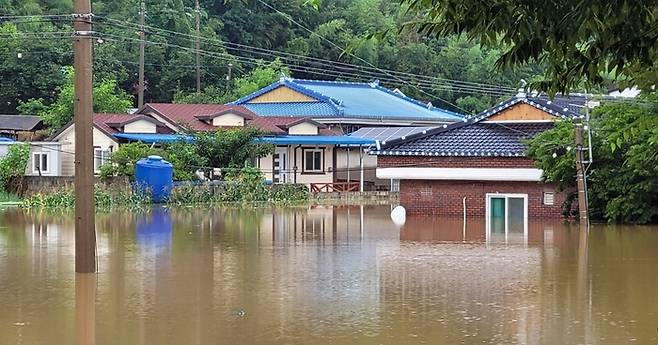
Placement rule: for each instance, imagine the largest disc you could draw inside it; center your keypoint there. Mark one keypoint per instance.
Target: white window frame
(313, 171)
(97, 169)
(544, 200)
(35, 160)
(507, 197)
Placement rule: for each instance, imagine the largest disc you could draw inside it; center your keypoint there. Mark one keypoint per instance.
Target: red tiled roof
(102, 121)
(188, 115)
(185, 114)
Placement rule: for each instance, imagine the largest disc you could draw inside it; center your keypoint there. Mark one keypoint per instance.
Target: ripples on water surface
(324, 275)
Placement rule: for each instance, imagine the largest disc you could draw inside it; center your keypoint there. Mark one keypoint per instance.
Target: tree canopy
(580, 42)
(624, 176)
(247, 38)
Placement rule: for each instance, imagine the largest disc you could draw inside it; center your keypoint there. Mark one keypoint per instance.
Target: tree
(579, 41)
(623, 180)
(261, 76)
(122, 162)
(107, 99)
(230, 148)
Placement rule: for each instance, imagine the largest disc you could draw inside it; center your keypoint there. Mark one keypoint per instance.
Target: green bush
(105, 200)
(14, 163)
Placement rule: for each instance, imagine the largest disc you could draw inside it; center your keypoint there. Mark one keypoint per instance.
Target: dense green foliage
(230, 149)
(623, 180)
(170, 70)
(105, 200)
(226, 149)
(13, 164)
(107, 99)
(247, 186)
(577, 40)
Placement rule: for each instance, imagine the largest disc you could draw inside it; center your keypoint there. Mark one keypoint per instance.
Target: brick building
(478, 167)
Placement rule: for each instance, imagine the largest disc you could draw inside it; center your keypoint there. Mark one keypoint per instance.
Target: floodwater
(324, 275)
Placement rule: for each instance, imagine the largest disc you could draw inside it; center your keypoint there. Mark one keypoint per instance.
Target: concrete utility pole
(142, 46)
(580, 174)
(85, 232)
(198, 46)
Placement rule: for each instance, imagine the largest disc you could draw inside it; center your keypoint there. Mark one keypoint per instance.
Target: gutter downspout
(464, 229)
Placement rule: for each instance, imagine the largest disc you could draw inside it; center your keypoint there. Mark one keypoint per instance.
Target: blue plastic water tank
(155, 175)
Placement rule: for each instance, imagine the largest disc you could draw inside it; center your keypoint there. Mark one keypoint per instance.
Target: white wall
(303, 128)
(228, 120)
(67, 139)
(140, 126)
(51, 149)
(265, 164)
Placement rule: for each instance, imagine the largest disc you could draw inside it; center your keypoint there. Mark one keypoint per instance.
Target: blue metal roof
(313, 109)
(316, 140)
(350, 100)
(153, 138)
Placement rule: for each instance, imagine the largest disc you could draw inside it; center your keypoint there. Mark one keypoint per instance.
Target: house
(478, 167)
(305, 150)
(21, 127)
(346, 106)
(105, 127)
(44, 159)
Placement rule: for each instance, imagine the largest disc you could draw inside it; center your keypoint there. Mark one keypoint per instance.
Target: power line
(353, 55)
(296, 57)
(319, 71)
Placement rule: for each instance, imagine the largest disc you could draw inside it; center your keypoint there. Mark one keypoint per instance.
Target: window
(507, 216)
(313, 159)
(40, 162)
(100, 158)
(549, 198)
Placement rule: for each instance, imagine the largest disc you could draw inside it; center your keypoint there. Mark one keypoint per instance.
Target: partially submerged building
(477, 167)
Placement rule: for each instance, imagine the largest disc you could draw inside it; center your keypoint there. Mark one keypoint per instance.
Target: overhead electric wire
(297, 57)
(318, 71)
(285, 15)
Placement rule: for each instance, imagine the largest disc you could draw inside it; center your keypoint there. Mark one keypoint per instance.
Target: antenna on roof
(374, 83)
(522, 89)
(429, 105)
(397, 91)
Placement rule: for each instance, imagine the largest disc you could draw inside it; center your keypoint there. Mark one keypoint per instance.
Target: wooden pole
(142, 47)
(85, 309)
(85, 233)
(580, 174)
(197, 44)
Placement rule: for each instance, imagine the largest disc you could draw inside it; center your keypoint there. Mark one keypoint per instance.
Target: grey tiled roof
(20, 122)
(475, 137)
(478, 139)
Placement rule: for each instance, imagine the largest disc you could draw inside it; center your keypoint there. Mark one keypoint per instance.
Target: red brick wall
(455, 162)
(445, 198)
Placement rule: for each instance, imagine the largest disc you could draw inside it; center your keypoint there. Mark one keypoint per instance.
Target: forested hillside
(241, 36)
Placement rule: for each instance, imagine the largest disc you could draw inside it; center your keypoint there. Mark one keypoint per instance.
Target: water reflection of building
(451, 229)
(326, 224)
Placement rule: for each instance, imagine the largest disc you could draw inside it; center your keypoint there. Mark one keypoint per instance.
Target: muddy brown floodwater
(324, 275)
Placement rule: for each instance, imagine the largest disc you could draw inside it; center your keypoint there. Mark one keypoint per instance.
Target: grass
(8, 198)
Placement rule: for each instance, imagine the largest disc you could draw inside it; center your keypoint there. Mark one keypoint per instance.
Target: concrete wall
(29, 185)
